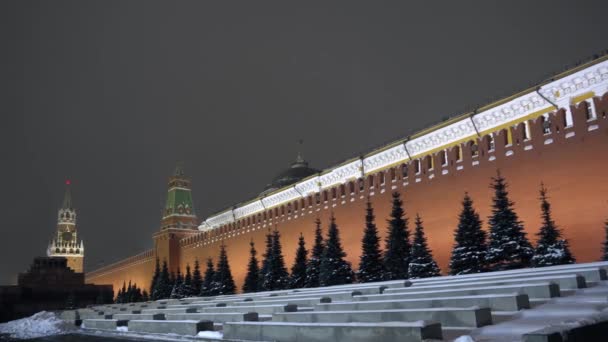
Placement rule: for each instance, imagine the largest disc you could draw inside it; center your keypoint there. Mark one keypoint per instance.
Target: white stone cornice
(385, 158)
(341, 174)
(220, 219)
(248, 209)
(278, 198)
(308, 186)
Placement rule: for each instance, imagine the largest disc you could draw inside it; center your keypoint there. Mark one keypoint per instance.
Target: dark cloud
(112, 93)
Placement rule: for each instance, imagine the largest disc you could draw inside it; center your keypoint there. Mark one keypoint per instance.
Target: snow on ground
(210, 334)
(39, 325)
(578, 309)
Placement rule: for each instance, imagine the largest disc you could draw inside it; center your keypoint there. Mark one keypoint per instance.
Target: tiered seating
(523, 303)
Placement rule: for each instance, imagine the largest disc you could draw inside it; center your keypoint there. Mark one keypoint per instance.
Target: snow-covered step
(298, 301)
(448, 317)
(132, 317)
(498, 302)
(335, 296)
(217, 317)
(322, 332)
(188, 327)
(260, 309)
(593, 274)
(169, 311)
(533, 290)
(103, 324)
(564, 281)
(569, 268)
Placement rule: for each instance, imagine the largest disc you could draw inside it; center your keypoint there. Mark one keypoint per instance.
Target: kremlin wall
(556, 133)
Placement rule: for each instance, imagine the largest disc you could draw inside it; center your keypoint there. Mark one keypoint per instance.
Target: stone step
(260, 309)
(103, 324)
(534, 290)
(218, 317)
(170, 327)
(322, 332)
(523, 271)
(498, 302)
(169, 311)
(564, 282)
(335, 296)
(133, 317)
(297, 301)
(448, 317)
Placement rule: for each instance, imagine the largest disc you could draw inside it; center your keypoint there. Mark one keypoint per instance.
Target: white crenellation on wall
(591, 79)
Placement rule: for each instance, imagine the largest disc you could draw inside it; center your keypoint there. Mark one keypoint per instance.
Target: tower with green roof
(178, 219)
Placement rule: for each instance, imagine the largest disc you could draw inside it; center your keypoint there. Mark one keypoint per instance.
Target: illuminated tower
(66, 242)
(178, 220)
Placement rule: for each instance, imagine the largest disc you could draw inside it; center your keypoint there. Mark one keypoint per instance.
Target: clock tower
(66, 243)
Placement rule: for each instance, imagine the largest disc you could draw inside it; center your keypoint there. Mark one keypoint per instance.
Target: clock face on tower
(66, 236)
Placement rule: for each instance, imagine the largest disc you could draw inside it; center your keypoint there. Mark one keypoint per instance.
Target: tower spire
(67, 197)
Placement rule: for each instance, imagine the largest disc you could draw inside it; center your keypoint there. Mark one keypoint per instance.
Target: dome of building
(297, 171)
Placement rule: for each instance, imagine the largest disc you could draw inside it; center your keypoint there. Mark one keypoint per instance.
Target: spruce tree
(223, 283)
(266, 257)
(398, 248)
(177, 291)
(314, 263)
(197, 279)
(129, 296)
(422, 264)
(297, 278)
(188, 289)
(334, 270)
(144, 296)
(470, 248)
(252, 279)
(371, 267)
(164, 285)
(605, 244)
(276, 277)
(207, 286)
(153, 283)
(550, 249)
(508, 247)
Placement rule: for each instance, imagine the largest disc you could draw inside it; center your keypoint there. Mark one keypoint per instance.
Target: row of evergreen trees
(505, 246)
(131, 294)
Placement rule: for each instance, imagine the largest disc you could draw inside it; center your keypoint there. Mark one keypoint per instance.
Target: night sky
(111, 94)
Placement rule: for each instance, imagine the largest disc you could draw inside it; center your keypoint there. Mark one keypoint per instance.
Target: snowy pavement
(582, 307)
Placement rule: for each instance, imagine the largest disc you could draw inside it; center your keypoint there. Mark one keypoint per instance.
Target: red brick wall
(573, 169)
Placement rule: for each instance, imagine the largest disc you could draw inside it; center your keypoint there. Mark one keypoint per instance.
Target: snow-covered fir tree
(207, 285)
(276, 277)
(163, 285)
(334, 270)
(470, 248)
(155, 279)
(551, 249)
(265, 261)
(145, 296)
(188, 289)
(197, 279)
(508, 246)
(252, 279)
(223, 283)
(605, 244)
(398, 248)
(314, 262)
(297, 278)
(371, 267)
(422, 264)
(177, 291)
